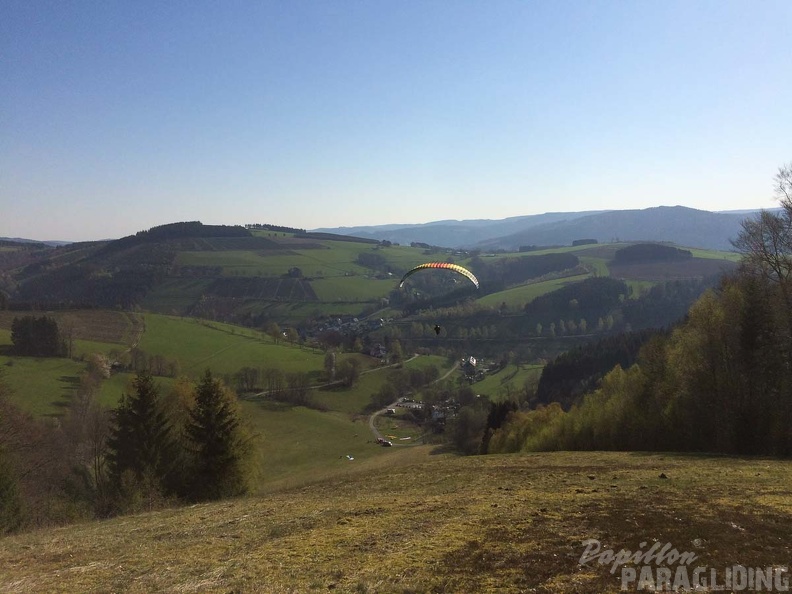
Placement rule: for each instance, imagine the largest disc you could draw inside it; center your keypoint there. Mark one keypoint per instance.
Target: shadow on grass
(444, 448)
(69, 384)
(694, 455)
(270, 405)
(335, 388)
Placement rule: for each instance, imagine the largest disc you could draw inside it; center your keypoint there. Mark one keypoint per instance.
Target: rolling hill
(677, 224)
(315, 281)
(455, 234)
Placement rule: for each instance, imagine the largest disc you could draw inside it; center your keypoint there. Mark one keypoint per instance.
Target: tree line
(153, 450)
(33, 336)
(721, 381)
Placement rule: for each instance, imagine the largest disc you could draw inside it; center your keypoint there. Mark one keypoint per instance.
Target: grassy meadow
(517, 297)
(41, 386)
(414, 520)
(292, 443)
(512, 377)
(222, 347)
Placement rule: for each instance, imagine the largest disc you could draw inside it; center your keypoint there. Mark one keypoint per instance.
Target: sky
(119, 116)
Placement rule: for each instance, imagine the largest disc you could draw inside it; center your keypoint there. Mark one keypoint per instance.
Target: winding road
(373, 418)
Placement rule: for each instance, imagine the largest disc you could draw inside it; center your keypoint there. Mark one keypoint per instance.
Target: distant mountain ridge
(49, 242)
(677, 224)
(453, 233)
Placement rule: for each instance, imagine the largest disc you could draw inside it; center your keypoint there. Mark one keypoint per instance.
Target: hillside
(318, 284)
(677, 224)
(252, 276)
(455, 234)
(208, 271)
(414, 522)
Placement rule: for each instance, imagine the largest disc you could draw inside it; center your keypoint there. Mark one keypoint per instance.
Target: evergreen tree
(142, 452)
(213, 430)
(37, 337)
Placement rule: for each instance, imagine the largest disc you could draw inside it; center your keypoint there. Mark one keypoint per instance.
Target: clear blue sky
(117, 116)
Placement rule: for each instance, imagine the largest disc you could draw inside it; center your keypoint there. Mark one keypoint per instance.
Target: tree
(349, 371)
(37, 337)
(274, 331)
(292, 335)
(87, 427)
(330, 365)
(142, 453)
(213, 430)
(396, 351)
(275, 382)
(297, 386)
(765, 243)
(247, 379)
(467, 429)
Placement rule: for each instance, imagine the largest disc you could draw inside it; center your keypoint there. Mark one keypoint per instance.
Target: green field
(399, 428)
(518, 296)
(41, 386)
(350, 400)
(715, 254)
(512, 377)
(639, 287)
(353, 288)
(599, 265)
(176, 294)
(221, 347)
(294, 443)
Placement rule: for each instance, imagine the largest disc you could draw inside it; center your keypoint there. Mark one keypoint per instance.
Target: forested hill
(674, 224)
(117, 273)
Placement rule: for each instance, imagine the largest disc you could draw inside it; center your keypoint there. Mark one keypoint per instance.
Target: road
(373, 418)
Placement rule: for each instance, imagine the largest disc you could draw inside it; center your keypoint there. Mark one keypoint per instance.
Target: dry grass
(97, 325)
(428, 523)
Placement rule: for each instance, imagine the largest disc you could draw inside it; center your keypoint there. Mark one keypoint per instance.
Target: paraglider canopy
(443, 266)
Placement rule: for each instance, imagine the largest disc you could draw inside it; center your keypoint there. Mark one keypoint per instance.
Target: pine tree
(214, 433)
(142, 451)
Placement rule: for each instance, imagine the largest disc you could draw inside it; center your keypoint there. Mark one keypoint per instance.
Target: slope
(414, 522)
(675, 224)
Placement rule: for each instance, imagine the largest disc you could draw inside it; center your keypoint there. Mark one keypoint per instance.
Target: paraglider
(442, 265)
(437, 329)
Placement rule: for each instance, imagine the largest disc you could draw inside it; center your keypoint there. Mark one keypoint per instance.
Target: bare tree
(783, 186)
(766, 241)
